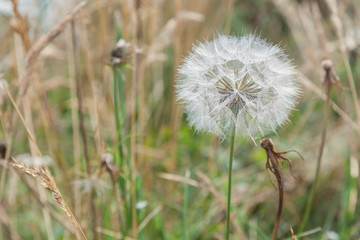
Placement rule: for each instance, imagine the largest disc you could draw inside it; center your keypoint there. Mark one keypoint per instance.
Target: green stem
(229, 185)
(118, 78)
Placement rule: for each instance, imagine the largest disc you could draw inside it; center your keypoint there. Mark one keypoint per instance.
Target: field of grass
(95, 145)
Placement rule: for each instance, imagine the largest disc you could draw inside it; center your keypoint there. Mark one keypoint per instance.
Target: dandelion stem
(229, 184)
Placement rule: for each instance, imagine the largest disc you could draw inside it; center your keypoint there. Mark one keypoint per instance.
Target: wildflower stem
(229, 184)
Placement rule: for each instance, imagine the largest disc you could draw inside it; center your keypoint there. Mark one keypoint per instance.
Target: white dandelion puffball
(243, 82)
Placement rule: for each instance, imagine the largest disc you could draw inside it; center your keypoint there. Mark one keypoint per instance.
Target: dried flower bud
(120, 53)
(330, 78)
(107, 162)
(244, 83)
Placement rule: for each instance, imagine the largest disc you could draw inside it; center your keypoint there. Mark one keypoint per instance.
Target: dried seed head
(327, 64)
(107, 163)
(244, 83)
(330, 78)
(120, 53)
(267, 143)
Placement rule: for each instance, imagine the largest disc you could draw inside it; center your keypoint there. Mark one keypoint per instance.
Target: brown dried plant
(273, 158)
(48, 183)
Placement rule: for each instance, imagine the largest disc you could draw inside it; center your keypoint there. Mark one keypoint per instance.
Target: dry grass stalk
(7, 224)
(48, 183)
(27, 109)
(21, 26)
(147, 219)
(92, 206)
(46, 174)
(113, 234)
(180, 179)
(91, 76)
(38, 46)
(74, 121)
(293, 234)
(319, 29)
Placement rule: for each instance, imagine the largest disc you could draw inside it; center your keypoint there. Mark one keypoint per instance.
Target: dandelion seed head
(244, 83)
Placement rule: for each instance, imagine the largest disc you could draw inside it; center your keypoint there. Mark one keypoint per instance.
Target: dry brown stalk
(27, 109)
(178, 178)
(319, 29)
(293, 234)
(74, 120)
(113, 234)
(273, 160)
(39, 45)
(48, 183)
(147, 219)
(8, 224)
(91, 77)
(92, 206)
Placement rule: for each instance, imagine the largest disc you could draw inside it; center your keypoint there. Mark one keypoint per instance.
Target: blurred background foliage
(166, 152)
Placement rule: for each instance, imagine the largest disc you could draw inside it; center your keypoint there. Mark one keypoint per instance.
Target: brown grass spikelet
(292, 233)
(48, 183)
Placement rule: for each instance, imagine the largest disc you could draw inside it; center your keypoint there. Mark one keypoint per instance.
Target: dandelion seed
(244, 83)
